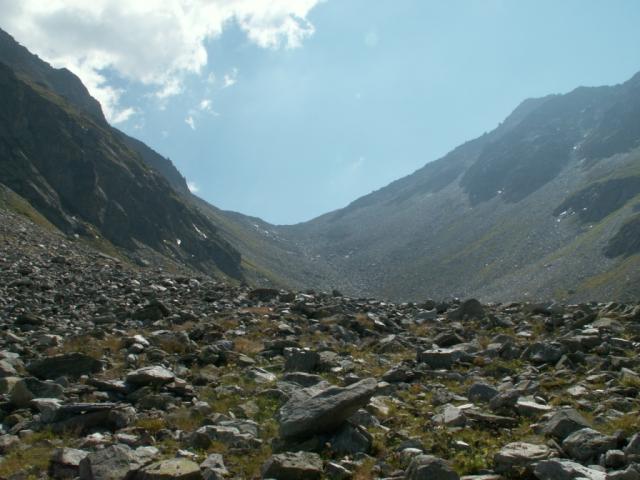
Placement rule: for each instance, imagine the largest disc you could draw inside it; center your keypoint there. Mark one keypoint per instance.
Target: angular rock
(438, 358)
(299, 360)
(470, 309)
(26, 389)
(428, 467)
(116, 462)
(561, 469)
(293, 466)
(154, 375)
(213, 467)
(563, 423)
(325, 411)
(587, 444)
(518, 458)
(65, 463)
(66, 365)
(172, 469)
(481, 392)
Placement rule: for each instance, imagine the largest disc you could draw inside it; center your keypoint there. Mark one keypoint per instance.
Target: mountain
(547, 205)
(58, 152)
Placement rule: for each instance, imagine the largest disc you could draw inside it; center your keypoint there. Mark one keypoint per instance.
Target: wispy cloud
(193, 188)
(190, 121)
(230, 78)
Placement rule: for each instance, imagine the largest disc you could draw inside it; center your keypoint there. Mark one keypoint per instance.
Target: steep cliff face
(60, 81)
(79, 172)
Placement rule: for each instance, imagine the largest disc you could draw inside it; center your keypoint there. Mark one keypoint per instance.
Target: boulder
(65, 463)
(325, 411)
(519, 457)
(213, 467)
(438, 358)
(481, 392)
(26, 389)
(172, 469)
(563, 423)
(587, 444)
(293, 466)
(428, 467)
(561, 469)
(299, 360)
(154, 375)
(116, 462)
(66, 365)
(469, 309)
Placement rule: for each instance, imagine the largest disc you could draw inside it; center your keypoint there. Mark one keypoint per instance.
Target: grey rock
(293, 466)
(153, 375)
(561, 469)
(325, 411)
(65, 463)
(438, 358)
(29, 388)
(632, 450)
(350, 440)
(563, 423)
(299, 360)
(587, 444)
(519, 457)
(629, 473)
(470, 309)
(213, 467)
(116, 462)
(428, 467)
(481, 392)
(303, 379)
(172, 469)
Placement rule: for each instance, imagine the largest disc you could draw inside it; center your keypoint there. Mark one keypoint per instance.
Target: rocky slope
(58, 152)
(111, 371)
(544, 206)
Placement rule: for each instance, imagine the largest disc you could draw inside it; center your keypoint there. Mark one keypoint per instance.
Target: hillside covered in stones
(110, 370)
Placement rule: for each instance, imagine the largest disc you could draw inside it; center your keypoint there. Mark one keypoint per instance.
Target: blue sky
(364, 92)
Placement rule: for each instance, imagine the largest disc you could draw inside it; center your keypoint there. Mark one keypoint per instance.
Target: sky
(288, 109)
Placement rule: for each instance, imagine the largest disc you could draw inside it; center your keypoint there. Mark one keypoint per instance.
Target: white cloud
(193, 188)
(205, 105)
(190, 121)
(230, 78)
(154, 43)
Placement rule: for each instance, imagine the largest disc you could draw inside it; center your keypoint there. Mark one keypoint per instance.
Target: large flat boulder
(324, 412)
(73, 365)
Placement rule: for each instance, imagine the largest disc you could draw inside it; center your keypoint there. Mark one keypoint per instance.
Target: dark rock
(563, 423)
(428, 467)
(69, 364)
